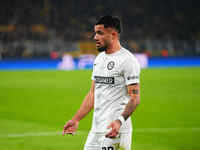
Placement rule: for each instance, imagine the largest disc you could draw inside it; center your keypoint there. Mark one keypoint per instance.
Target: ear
(114, 34)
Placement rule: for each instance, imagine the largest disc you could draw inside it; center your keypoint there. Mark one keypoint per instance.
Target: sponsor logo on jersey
(111, 65)
(132, 77)
(104, 80)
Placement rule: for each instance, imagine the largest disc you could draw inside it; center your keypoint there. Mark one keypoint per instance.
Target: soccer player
(114, 92)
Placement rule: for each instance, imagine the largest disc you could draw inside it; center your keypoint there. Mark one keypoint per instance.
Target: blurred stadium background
(50, 28)
(57, 34)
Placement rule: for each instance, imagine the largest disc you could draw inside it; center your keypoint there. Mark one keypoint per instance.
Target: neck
(116, 46)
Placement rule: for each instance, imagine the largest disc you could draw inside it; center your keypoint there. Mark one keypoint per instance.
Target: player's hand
(70, 127)
(115, 126)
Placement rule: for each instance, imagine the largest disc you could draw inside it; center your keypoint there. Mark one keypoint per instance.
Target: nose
(95, 37)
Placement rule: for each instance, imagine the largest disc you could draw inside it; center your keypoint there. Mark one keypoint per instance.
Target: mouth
(98, 44)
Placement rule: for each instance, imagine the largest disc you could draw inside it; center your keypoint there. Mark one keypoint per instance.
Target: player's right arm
(88, 103)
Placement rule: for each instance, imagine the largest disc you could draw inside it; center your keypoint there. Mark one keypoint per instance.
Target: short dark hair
(110, 21)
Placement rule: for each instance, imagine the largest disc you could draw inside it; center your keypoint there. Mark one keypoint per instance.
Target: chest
(108, 71)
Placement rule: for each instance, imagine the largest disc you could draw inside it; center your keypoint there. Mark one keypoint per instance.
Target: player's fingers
(68, 132)
(68, 124)
(65, 132)
(108, 133)
(66, 129)
(113, 132)
(112, 135)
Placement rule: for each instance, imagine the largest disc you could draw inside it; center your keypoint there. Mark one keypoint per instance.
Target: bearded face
(103, 38)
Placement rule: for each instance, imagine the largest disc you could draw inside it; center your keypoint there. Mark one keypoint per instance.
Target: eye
(99, 32)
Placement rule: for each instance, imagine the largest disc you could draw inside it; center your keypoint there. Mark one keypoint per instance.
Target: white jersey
(112, 73)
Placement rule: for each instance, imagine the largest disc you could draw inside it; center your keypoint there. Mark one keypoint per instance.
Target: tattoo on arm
(134, 92)
(130, 107)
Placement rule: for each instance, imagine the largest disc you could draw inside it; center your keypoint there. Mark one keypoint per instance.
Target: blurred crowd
(157, 27)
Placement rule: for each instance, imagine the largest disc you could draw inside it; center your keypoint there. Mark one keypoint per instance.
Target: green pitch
(34, 106)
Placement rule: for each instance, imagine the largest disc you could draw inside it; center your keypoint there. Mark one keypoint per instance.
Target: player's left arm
(134, 93)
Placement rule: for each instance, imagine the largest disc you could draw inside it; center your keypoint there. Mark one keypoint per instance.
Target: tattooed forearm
(130, 107)
(134, 93)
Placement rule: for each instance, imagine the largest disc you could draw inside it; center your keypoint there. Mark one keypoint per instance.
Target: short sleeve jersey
(111, 74)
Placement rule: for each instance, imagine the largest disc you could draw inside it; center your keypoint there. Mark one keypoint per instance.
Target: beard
(102, 49)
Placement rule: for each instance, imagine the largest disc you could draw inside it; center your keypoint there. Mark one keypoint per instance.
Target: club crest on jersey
(110, 65)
